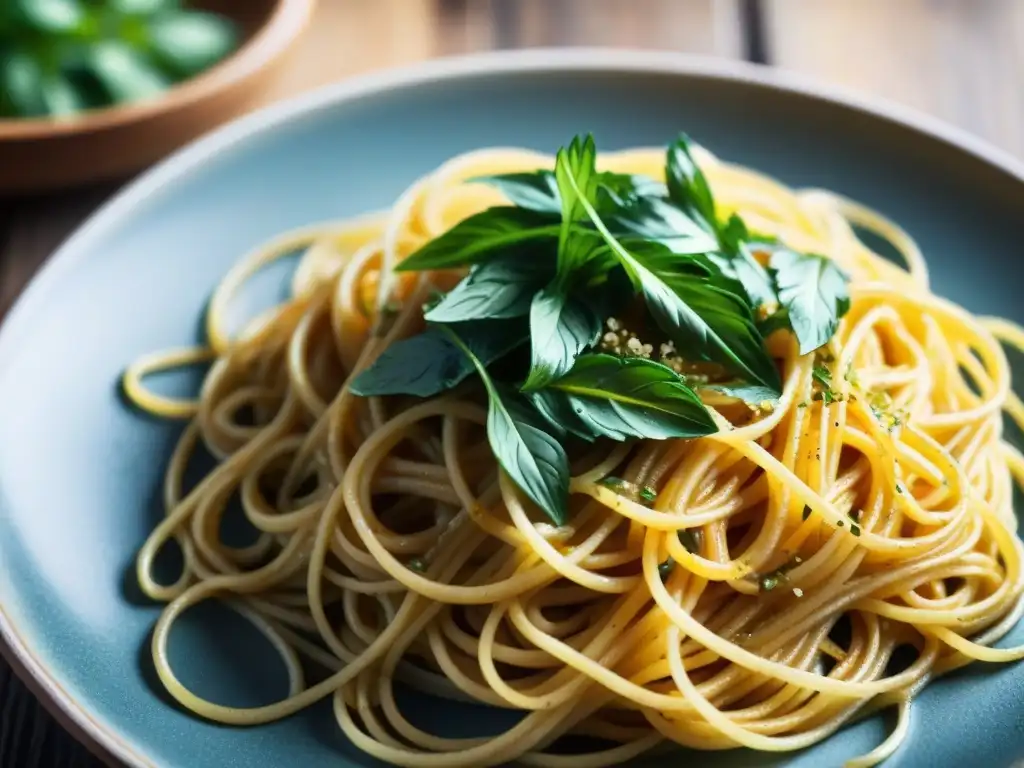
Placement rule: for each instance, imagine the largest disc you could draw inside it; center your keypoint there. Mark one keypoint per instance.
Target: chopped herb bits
(691, 539)
(665, 569)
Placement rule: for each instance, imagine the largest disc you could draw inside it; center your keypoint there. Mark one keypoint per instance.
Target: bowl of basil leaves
(97, 89)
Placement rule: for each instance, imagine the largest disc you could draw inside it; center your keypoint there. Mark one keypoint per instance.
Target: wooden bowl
(42, 154)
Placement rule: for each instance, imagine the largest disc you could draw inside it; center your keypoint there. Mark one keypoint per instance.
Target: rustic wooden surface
(962, 60)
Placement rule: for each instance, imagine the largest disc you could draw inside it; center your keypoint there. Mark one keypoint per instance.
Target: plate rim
(103, 738)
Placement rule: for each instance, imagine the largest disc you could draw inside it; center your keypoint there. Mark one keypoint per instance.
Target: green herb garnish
(550, 272)
(641, 494)
(62, 57)
(431, 363)
(532, 458)
(691, 539)
(501, 288)
(821, 378)
(822, 375)
(665, 569)
(501, 231)
(813, 291)
(623, 398)
(827, 396)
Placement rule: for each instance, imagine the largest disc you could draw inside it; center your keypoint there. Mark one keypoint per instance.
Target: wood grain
(352, 36)
(347, 37)
(961, 60)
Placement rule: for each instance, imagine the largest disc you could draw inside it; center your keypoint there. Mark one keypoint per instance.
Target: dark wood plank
(35, 227)
(960, 60)
(347, 37)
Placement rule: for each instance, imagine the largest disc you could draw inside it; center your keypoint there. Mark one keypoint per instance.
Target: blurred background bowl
(44, 154)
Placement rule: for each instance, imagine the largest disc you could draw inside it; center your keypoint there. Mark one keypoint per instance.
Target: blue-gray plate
(80, 472)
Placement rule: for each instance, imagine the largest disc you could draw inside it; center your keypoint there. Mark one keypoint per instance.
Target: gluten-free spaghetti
(654, 451)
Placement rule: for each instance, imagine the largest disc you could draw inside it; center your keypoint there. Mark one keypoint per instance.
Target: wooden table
(962, 60)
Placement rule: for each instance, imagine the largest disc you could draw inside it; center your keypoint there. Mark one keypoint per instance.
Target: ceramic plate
(80, 472)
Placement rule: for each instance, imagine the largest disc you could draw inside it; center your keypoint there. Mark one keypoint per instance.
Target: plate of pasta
(555, 408)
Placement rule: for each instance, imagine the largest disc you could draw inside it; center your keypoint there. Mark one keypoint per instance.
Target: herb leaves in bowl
(631, 296)
(59, 58)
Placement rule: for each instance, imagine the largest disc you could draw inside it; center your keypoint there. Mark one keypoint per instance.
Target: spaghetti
(750, 588)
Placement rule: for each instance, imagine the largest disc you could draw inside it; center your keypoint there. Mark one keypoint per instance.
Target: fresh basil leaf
(496, 289)
(61, 97)
(750, 393)
(124, 74)
(656, 219)
(21, 80)
(610, 291)
(431, 363)
(89, 91)
(737, 261)
(722, 273)
(740, 273)
(538, 190)
(534, 190)
(532, 458)
(556, 409)
(482, 237)
(144, 7)
(561, 327)
(628, 397)
(624, 190)
(822, 375)
(189, 42)
(577, 179)
(687, 186)
(733, 233)
(719, 324)
(661, 259)
(814, 292)
(51, 17)
(695, 313)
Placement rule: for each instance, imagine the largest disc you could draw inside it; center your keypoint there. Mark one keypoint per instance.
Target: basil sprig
(577, 248)
(432, 363)
(534, 459)
(813, 291)
(622, 398)
(810, 289)
(61, 57)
